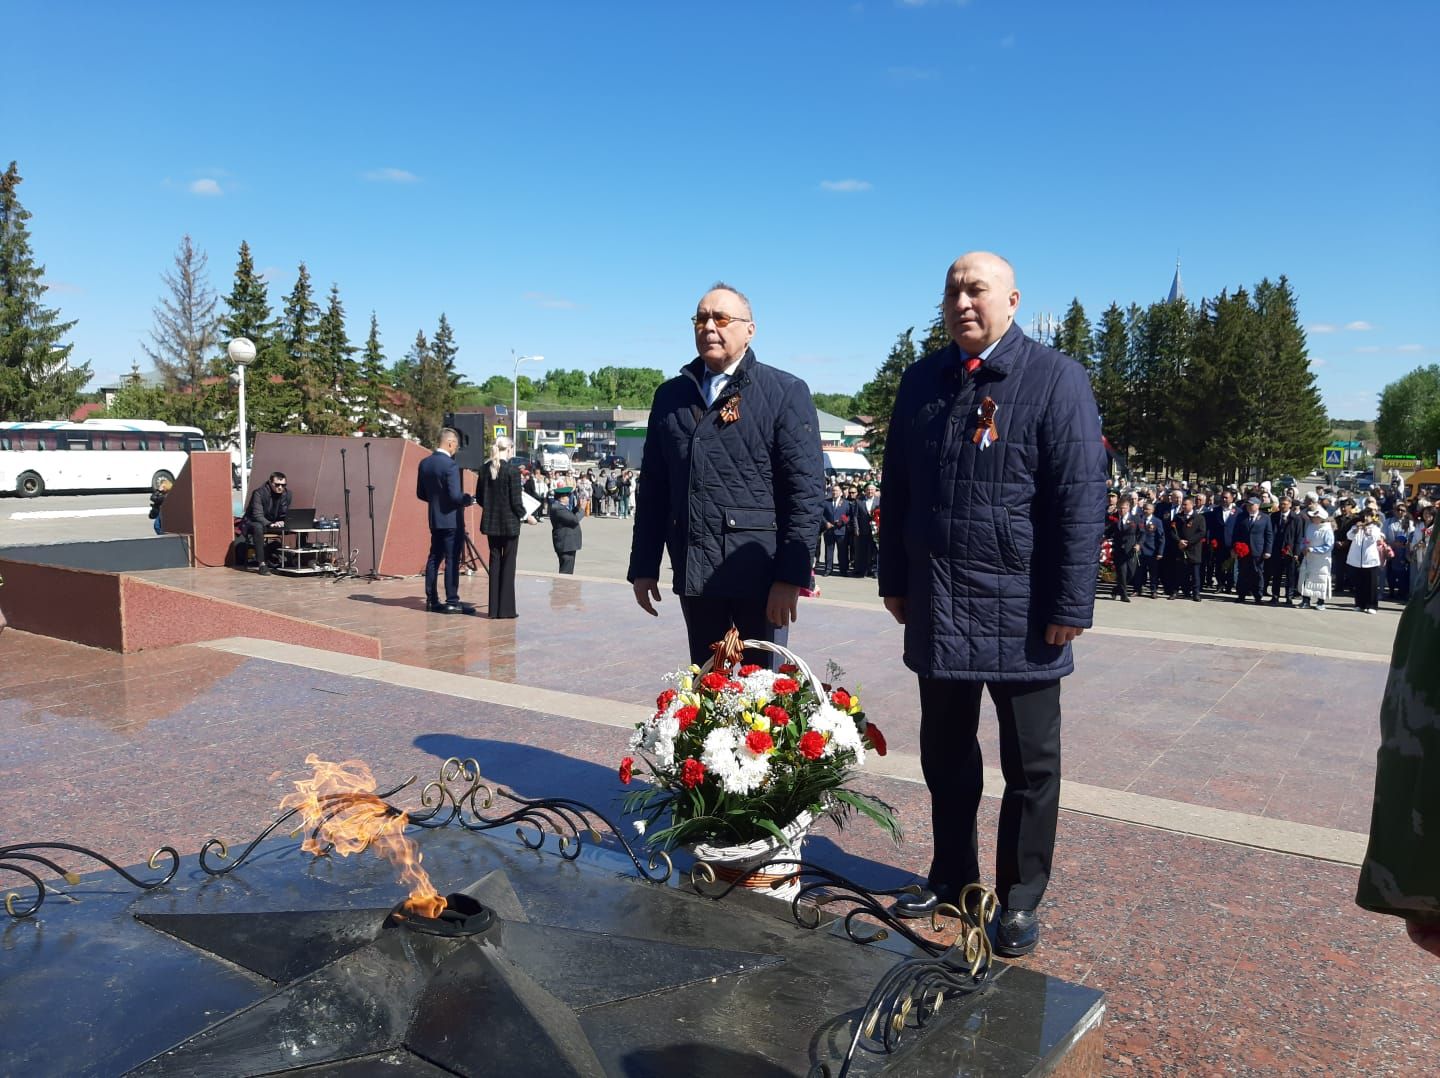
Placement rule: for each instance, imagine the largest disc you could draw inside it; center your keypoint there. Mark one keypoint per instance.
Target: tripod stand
(345, 565)
(374, 573)
(469, 556)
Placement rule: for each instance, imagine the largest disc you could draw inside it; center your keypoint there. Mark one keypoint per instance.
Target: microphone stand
(374, 573)
(347, 567)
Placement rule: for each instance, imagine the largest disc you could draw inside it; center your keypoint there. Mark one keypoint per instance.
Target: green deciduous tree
(36, 379)
(841, 404)
(1409, 420)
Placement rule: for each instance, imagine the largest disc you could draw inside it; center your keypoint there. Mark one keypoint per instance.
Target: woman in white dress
(1315, 567)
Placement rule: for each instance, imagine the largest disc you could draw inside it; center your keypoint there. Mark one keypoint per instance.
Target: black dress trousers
(708, 619)
(1029, 719)
(503, 551)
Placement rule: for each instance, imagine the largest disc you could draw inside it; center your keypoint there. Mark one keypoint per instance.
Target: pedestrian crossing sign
(1334, 457)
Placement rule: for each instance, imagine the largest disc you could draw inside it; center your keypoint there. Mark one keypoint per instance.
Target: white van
(845, 462)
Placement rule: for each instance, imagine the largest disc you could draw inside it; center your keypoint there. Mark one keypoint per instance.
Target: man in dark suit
(1123, 531)
(1152, 545)
(835, 526)
(266, 509)
(1170, 560)
(438, 485)
(865, 537)
(1287, 532)
(1189, 531)
(994, 494)
(732, 482)
(1223, 518)
(1255, 532)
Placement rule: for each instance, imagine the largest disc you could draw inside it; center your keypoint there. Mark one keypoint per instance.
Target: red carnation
(812, 745)
(627, 766)
(789, 668)
(841, 699)
(758, 741)
(784, 686)
(748, 669)
(876, 739)
(686, 715)
(734, 686)
(1214, 544)
(692, 773)
(714, 681)
(778, 716)
(663, 700)
(1242, 550)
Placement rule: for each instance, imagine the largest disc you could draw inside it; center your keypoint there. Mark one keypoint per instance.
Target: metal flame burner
(462, 916)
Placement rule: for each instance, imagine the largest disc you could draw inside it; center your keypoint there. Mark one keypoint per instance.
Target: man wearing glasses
(733, 485)
(267, 509)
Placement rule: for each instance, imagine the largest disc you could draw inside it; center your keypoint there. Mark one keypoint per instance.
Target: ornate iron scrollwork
(26, 852)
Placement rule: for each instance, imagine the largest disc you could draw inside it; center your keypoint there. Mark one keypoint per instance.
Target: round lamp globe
(241, 351)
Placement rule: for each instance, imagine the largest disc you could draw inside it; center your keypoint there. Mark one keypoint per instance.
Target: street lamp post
(242, 353)
(515, 402)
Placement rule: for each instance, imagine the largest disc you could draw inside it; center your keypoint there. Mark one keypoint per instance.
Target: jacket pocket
(748, 542)
(1014, 558)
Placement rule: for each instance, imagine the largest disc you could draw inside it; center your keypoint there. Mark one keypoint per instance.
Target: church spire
(1177, 290)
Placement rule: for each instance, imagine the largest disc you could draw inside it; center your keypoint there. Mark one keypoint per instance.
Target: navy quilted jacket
(736, 504)
(990, 545)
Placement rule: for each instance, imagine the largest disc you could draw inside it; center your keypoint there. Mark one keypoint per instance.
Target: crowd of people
(609, 492)
(850, 527)
(1292, 550)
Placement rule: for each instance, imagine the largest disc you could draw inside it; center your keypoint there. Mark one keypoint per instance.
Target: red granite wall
(82, 605)
(199, 505)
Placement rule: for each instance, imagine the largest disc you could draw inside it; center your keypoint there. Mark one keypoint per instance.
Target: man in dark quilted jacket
(732, 483)
(994, 496)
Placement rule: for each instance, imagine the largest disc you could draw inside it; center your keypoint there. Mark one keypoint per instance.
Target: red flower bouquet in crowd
(739, 752)
(1242, 549)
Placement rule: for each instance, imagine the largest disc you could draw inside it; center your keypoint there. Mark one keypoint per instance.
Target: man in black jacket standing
(994, 494)
(732, 484)
(267, 509)
(438, 485)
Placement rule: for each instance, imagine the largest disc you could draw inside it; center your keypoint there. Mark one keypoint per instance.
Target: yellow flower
(756, 721)
(686, 684)
(854, 704)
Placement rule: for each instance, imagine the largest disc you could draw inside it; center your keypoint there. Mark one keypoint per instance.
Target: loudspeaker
(472, 453)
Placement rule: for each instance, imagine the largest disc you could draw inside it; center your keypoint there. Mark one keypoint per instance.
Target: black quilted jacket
(737, 504)
(990, 545)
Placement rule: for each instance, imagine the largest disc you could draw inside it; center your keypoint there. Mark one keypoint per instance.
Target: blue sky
(567, 178)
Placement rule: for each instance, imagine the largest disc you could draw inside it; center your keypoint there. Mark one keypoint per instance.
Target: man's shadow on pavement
(537, 773)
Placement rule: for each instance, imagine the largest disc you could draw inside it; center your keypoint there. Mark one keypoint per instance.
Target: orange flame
(340, 809)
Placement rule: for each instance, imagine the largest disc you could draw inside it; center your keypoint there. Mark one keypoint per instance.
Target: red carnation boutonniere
(730, 410)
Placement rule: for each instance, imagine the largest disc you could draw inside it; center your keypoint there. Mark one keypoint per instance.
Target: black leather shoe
(923, 904)
(1018, 933)
(444, 608)
(264, 570)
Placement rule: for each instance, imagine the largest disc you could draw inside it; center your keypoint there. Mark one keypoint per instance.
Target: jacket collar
(1002, 358)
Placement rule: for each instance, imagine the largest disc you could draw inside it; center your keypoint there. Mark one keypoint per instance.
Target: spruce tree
(1297, 427)
(936, 336)
(1219, 393)
(184, 336)
(429, 391)
(303, 371)
(335, 359)
(1075, 335)
(247, 314)
(443, 346)
(372, 396)
(36, 379)
(877, 396)
(1110, 348)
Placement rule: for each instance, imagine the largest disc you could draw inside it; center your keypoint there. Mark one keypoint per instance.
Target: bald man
(994, 496)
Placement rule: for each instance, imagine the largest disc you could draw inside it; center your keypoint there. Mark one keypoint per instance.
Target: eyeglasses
(278, 486)
(720, 320)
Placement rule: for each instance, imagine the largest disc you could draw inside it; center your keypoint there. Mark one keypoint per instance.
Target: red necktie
(972, 364)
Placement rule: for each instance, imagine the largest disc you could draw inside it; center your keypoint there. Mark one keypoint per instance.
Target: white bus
(96, 455)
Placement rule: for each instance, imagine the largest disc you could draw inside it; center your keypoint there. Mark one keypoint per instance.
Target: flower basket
(743, 759)
(760, 865)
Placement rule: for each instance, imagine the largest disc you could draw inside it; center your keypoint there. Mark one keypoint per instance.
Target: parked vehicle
(845, 462)
(613, 461)
(554, 459)
(96, 455)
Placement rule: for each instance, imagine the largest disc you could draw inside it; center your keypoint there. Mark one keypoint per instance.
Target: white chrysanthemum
(718, 755)
(840, 731)
(757, 686)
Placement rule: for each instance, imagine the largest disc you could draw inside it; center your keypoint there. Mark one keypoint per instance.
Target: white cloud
(546, 300)
(845, 186)
(1321, 327)
(207, 187)
(1411, 348)
(1358, 327)
(391, 175)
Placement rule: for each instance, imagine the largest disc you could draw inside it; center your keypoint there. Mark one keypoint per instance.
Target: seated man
(267, 509)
